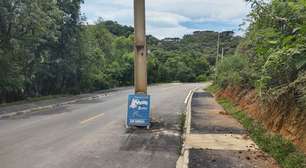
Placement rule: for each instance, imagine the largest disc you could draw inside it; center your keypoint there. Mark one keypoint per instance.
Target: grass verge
(33, 99)
(283, 151)
(182, 120)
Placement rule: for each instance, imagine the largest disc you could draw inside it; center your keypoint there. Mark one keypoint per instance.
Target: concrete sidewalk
(216, 140)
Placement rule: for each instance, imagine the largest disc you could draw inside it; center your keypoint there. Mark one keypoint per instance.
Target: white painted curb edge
(183, 160)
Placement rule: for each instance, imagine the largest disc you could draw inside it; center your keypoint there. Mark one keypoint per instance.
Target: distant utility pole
(140, 66)
(218, 48)
(222, 55)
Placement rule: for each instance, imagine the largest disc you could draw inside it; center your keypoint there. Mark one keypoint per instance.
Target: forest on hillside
(47, 48)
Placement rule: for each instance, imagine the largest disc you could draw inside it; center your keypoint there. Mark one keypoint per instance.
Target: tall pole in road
(140, 60)
(139, 109)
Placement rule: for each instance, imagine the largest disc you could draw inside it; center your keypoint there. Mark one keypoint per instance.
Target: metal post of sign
(139, 103)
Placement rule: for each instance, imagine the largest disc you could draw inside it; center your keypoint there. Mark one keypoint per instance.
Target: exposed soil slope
(280, 116)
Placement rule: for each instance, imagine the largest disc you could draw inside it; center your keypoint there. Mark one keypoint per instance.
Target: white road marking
(187, 98)
(91, 118)
(189, 94)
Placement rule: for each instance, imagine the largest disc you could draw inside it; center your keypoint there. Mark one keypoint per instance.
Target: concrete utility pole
(140, 60)
(222, 55)
(139, 104)
(218, 48)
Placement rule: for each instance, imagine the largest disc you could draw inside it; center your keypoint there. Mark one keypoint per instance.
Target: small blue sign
(138, 110)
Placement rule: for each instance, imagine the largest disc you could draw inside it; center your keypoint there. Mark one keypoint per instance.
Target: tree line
(47, 48)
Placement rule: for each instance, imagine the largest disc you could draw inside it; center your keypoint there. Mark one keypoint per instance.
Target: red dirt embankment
(280, 116)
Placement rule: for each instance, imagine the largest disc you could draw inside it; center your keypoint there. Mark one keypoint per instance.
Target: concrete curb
(37, 109)
(183, 160)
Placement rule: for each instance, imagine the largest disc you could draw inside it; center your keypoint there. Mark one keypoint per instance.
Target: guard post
(139, 103)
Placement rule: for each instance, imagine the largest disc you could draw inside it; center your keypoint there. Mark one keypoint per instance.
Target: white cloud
(170, 32)
(94, 9)
(202, 9)
(166, 24)
(165, 18)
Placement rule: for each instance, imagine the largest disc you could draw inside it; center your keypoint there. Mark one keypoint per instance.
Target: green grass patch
(213, 88)
(181, 121)
(283, 151)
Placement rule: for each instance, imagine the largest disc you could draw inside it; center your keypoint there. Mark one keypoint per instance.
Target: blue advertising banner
(138, 110)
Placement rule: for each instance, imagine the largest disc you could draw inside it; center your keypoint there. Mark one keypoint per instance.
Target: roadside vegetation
(270, 65)
(271, 58)
(283, 151)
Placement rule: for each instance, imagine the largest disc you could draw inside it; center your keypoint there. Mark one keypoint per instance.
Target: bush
(279, 70)
(202, 78)
(232, 70)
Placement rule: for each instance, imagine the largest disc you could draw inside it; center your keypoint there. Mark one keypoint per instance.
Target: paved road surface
(91, 134)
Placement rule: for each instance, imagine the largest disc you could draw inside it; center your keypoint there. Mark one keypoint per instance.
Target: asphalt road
(91, 134)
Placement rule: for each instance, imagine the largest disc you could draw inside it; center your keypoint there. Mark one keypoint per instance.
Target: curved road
(91, 134)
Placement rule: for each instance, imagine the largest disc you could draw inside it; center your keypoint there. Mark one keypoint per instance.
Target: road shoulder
(217, 140)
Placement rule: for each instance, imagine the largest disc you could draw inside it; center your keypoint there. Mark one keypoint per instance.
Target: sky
(173, 18)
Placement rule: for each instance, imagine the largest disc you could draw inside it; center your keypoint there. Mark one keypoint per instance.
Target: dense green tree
(28, 29)
(67, 57)
(117, 29)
